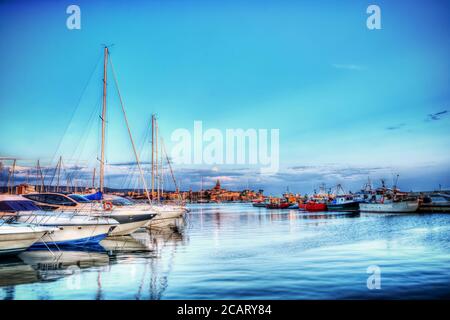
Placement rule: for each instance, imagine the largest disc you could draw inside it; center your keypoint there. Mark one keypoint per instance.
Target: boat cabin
(53, 201)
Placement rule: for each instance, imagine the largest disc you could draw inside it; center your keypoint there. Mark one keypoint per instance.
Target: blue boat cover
(94, 196)
(18, 205)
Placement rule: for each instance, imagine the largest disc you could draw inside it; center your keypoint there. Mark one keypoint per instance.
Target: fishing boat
(317, 202)
(70, 228)
(343, 203)
(312, 206)
(438, 202)
(387, 206)
(389, 200)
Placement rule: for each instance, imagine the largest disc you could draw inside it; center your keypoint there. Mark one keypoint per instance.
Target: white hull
(70, 229)
(68, 234)
(160, 223)
(130, 219)
(125, 244)
(394, 207)
(125, 213)
(128, 228)
(165, 218)
(15, 242)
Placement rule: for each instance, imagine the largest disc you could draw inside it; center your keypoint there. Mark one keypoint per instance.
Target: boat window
(56, 199)
(34, 197)
(18, 205)
(78, 198)
(121, 202)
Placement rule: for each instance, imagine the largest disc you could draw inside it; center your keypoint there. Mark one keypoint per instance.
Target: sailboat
(129, 215)
(162, 214)
(167, 214)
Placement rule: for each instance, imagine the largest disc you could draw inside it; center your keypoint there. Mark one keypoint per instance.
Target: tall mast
(153, 155)
(102, 159)
(156, 160)
(161, 174)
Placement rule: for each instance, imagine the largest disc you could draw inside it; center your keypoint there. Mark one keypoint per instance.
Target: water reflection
(51, 266)
(14, 271)
(126, 244)
(328, 215)
(154, 251)
(236, 251)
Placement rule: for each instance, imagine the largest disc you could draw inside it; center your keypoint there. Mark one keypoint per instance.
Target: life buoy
(107, 205)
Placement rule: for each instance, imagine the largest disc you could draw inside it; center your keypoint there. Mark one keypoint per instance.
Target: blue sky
(349, 102)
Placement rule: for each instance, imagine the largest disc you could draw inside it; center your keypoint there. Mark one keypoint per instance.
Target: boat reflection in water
(125, 244)
(144, 259)
(55, 265)
(43, 266)
(236, 251)
(13, 271)
(328, 215)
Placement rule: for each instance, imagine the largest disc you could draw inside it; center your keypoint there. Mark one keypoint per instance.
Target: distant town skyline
(349, 102)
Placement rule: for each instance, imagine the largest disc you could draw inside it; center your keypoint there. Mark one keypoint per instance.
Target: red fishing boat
(312, 206)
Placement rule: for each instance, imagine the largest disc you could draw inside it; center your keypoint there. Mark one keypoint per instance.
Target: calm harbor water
(233, 251)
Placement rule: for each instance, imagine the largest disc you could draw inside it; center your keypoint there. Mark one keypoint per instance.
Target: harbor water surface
(236, 251)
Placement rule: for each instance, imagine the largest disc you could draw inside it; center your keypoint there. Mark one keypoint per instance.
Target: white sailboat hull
(12, 243)
(130, 219)
(76, 235)
(128, 228)
(395, 207)
(166, 219)
(77, 230)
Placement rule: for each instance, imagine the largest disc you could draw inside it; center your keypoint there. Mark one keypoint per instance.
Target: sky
(349, 102)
